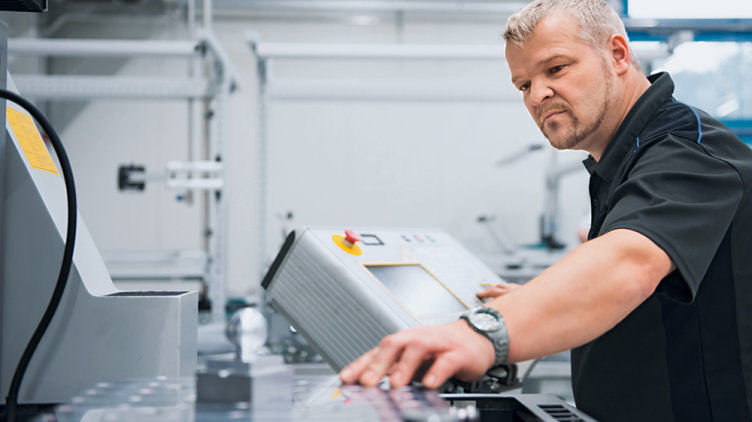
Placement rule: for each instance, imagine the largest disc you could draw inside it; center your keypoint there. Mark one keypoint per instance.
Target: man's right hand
(430, 354)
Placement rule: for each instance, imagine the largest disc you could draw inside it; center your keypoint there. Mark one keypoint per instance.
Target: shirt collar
(660, 90)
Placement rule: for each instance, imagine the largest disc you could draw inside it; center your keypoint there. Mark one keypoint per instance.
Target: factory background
(201, 133)
(445, 143)
(359, 161)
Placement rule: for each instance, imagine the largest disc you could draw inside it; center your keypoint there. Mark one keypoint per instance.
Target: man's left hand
(452, 349)
(497, 290)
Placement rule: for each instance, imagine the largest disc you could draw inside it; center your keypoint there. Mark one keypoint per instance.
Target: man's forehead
(527, 56)
(556, 35)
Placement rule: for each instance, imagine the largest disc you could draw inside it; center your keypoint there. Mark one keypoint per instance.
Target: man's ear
(619, 54)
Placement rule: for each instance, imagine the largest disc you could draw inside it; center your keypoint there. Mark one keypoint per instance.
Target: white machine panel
(344, 297)
(99, 333)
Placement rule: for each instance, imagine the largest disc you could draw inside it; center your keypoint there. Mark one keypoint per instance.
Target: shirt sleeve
(683, 199)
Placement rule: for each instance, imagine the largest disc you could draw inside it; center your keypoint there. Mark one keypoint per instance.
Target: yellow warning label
(340, 241)
(31, 143)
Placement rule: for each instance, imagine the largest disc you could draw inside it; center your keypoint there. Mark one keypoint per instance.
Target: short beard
(582, 132)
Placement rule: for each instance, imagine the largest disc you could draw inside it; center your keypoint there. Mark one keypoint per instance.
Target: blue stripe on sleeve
(699, 124)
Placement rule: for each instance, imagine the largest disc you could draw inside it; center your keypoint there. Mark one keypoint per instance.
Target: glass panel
(689, 9)
(416, 289)
(713, 76)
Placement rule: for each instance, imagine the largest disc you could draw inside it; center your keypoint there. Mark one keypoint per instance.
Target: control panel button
(348, 242)
(351, 236)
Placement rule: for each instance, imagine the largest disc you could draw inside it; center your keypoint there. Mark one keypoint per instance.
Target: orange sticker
(30, 141)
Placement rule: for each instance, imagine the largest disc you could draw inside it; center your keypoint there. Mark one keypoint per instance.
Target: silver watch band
(499, 338)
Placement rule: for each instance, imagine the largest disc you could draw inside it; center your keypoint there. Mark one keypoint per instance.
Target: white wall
(331, 162)
(389, 163)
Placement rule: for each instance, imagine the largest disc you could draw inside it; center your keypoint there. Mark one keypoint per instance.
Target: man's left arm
(571, 303)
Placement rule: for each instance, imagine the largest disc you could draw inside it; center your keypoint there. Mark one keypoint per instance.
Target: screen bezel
(419, 319)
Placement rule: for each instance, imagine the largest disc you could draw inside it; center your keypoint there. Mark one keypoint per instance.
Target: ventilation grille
(319, 306)
(560, 413)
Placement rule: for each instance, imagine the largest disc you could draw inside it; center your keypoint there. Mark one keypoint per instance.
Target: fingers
(387, 354)
(352, 372)
(497, 290)
(489, 292)
(440, 351)
(370, 368)
(444, 367)
(410, 361)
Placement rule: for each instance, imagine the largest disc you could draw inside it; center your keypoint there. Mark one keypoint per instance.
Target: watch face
(484, 321)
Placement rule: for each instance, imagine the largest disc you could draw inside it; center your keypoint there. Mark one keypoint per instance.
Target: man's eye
(524, 87)
(556, 69)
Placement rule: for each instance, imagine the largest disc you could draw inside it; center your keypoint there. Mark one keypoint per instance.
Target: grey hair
(597, 20)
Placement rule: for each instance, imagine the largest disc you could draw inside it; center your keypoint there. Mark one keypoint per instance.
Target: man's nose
(540, 93)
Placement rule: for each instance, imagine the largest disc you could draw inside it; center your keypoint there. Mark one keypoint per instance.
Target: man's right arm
(571, 303)
(583, 295)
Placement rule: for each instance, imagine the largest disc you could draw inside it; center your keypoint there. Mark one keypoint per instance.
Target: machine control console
(345, 289)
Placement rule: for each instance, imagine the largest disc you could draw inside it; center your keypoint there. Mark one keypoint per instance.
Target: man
(657, 304)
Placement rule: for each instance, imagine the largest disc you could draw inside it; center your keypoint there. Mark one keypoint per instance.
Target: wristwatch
(490, 323)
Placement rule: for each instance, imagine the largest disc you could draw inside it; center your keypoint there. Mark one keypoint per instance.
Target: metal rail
(380, 51)
(92, 87)
(388, 90)
(101, 48)
(371, 6)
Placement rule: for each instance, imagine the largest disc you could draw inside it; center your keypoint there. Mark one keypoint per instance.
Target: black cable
(70, 240)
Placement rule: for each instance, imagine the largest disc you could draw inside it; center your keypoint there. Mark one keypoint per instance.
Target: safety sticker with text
(31, 143)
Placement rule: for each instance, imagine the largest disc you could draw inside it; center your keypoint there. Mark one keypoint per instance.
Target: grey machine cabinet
(99, 333)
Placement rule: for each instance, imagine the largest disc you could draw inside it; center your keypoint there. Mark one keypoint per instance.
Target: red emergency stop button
(347, 243)
(351, 236)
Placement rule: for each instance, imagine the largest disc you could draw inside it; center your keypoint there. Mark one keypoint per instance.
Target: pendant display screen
(419, 292)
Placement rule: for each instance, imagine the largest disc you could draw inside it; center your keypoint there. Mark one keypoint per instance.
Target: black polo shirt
(681, 178)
